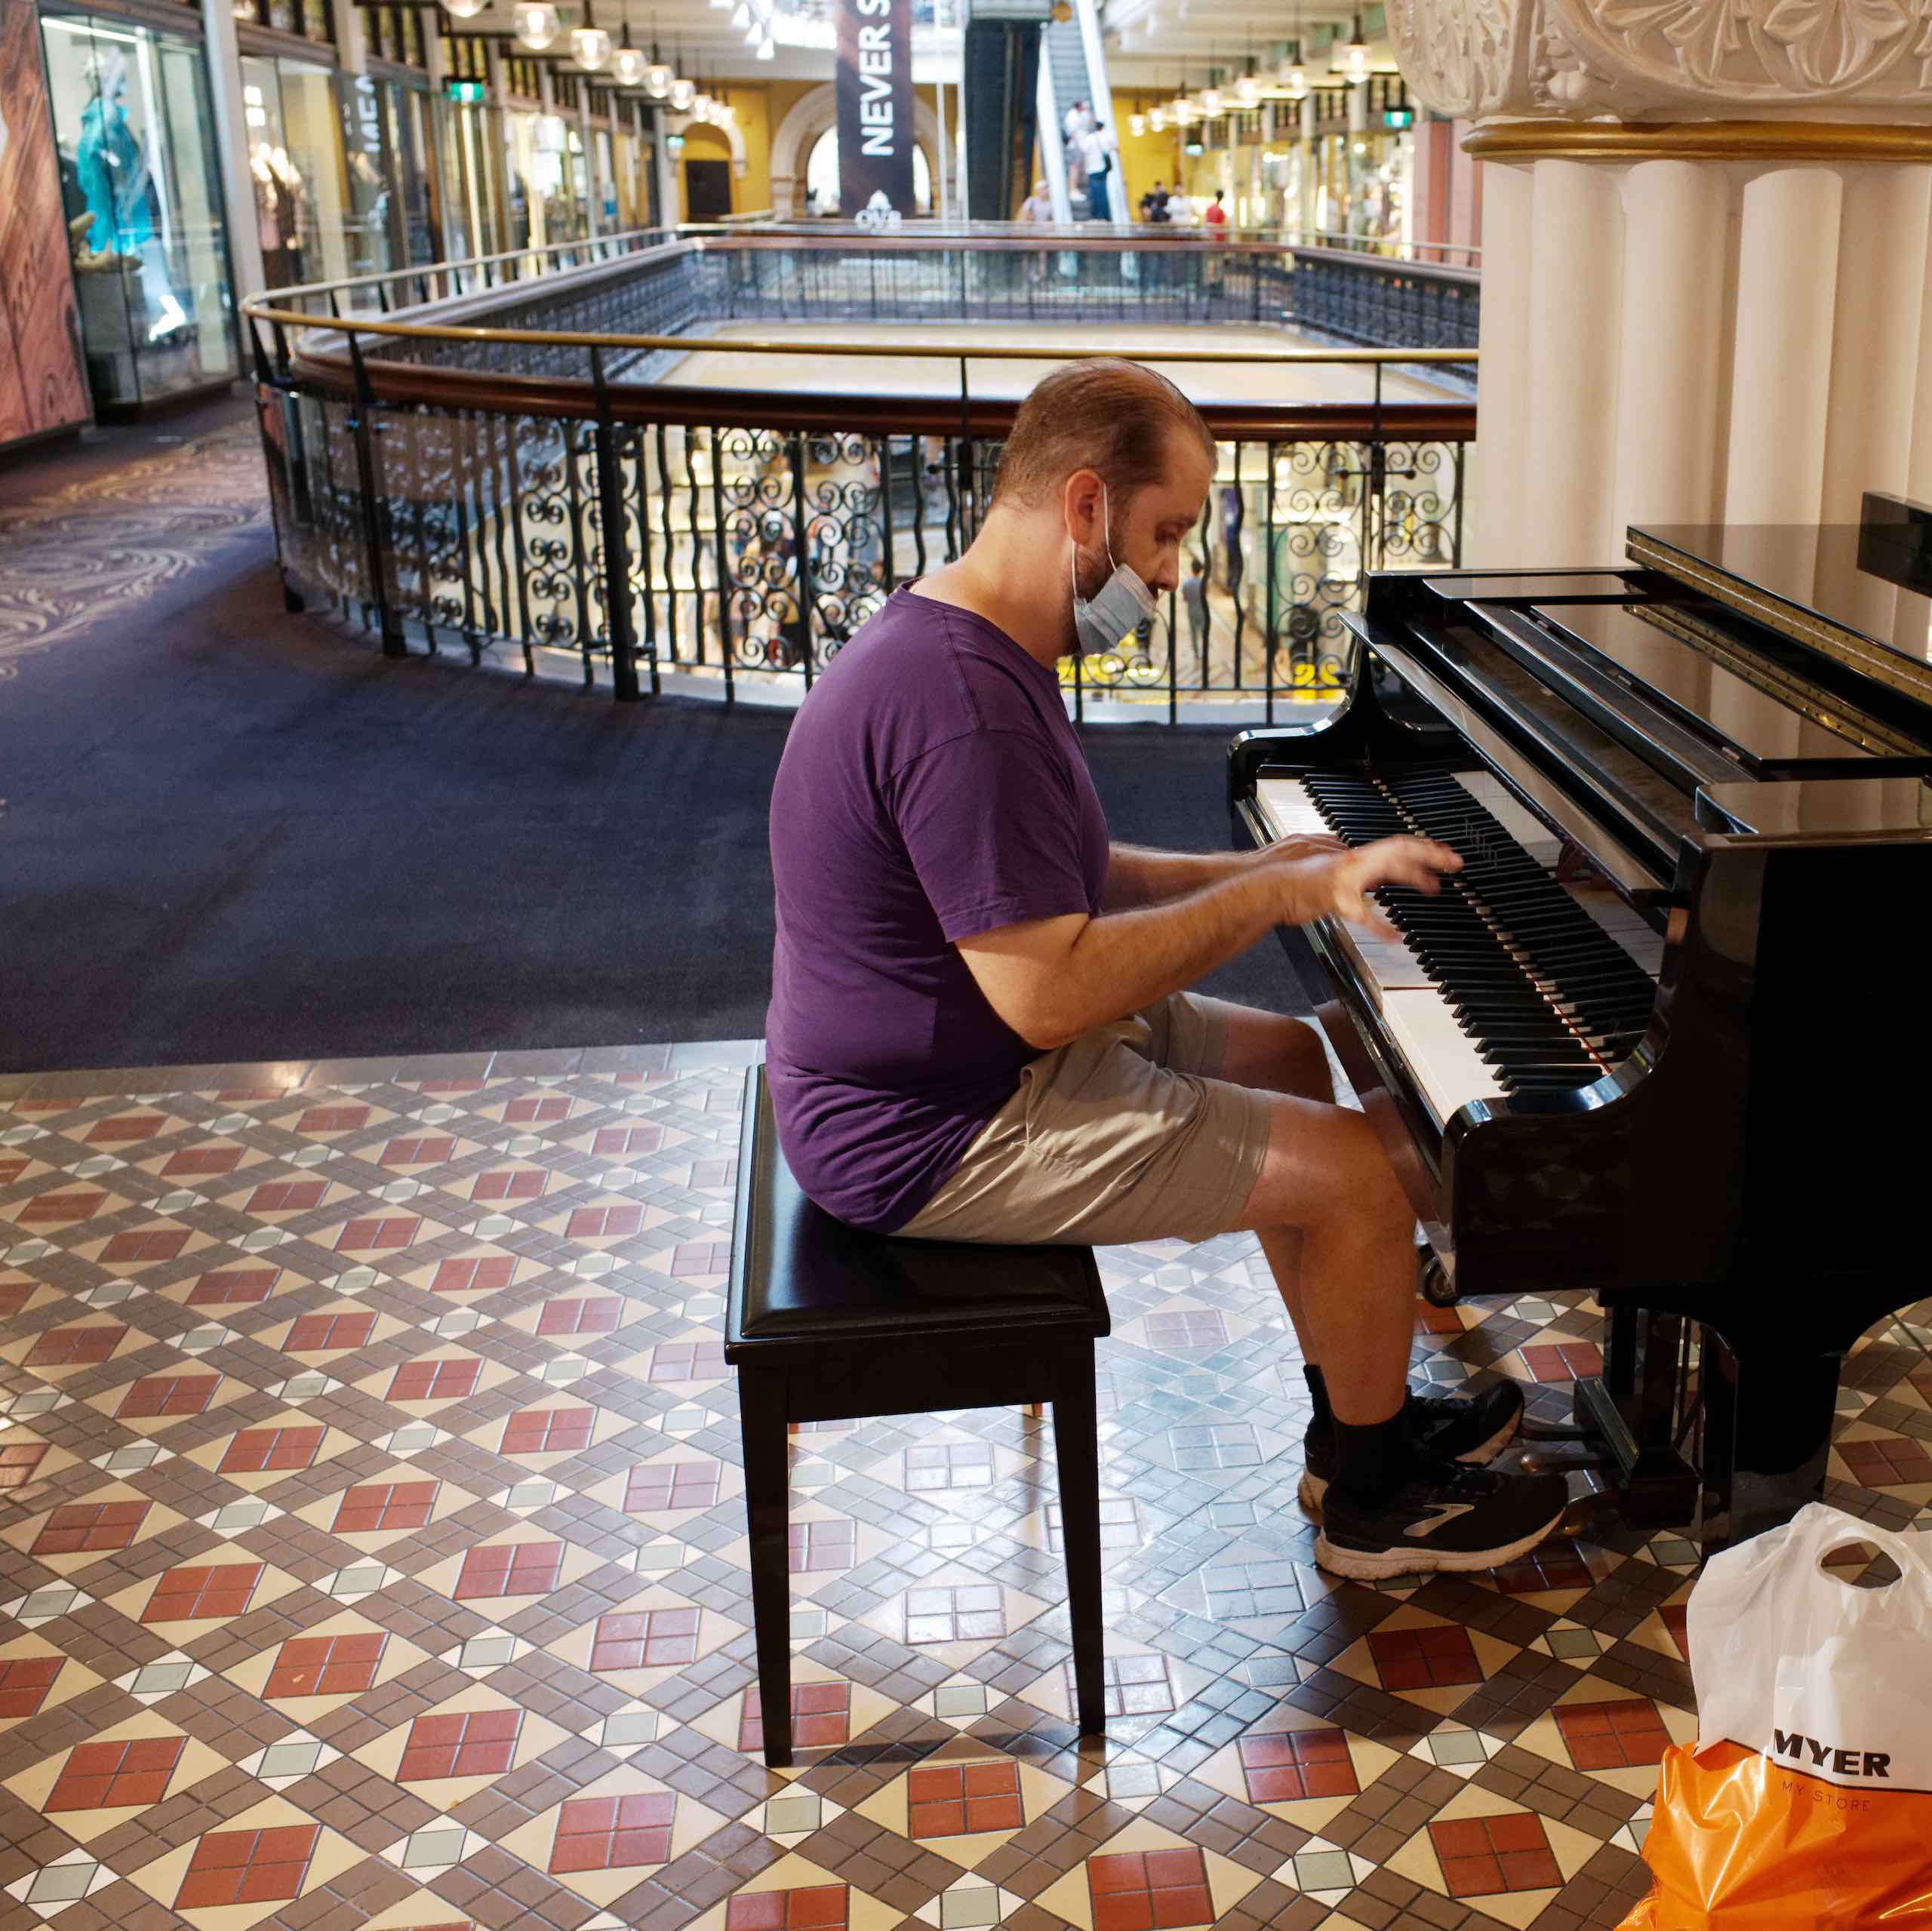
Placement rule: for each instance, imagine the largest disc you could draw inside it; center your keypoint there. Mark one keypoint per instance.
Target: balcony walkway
(718, 368)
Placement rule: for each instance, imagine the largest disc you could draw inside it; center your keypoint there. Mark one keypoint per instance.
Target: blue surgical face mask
(1121, 604)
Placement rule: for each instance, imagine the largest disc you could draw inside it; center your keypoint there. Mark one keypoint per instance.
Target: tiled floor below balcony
(372, 1554)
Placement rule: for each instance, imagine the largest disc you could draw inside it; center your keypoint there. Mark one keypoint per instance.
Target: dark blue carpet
(228, 834)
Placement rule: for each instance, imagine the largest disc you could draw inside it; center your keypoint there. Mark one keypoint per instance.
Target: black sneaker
(1473, 1428)
(1448, 1515)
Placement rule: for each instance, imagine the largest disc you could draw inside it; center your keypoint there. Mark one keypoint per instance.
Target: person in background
(1215, 216)
(1097, 150)
(1194, 594)
(1154, 205)
(1038, 205)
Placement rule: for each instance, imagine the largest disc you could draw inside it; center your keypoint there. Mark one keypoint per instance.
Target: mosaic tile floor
(371, 1554)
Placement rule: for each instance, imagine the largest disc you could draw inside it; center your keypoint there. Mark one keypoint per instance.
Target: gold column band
(1819, 141)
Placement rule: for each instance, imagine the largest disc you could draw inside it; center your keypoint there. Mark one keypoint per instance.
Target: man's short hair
(1108, 415)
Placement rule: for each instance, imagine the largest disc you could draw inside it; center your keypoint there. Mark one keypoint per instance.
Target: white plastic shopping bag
(1807, 1801)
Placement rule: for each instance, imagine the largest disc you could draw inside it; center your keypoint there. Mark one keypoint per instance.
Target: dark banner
(41, 383)
(875, 81)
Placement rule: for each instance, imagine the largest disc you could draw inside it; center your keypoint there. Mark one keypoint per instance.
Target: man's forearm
(1124, 961)
(1139, 876)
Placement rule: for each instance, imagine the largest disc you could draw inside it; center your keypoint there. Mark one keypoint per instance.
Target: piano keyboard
(1508, 981)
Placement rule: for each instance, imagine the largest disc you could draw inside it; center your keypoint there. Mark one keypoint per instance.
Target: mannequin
(116, 181)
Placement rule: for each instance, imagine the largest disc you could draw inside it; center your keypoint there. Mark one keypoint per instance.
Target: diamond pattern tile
(377, 1500)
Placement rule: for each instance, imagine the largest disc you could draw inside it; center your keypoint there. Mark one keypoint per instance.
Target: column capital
(1668, 59)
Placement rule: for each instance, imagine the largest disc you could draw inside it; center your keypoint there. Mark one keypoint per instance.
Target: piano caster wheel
(1437, 1289)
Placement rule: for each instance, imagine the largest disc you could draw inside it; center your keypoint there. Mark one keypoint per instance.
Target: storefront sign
(41, 383)
(469, 91)
(875, 83)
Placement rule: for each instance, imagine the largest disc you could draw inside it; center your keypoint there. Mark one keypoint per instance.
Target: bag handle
(1818, 1528)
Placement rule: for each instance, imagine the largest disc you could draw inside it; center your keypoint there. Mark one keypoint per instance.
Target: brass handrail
(254, 308)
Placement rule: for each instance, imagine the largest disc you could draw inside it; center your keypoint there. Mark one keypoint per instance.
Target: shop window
(132, 123)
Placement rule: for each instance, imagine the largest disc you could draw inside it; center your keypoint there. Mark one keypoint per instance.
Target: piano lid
(1859, 592)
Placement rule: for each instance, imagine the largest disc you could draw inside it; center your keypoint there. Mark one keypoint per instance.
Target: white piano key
(1448, 1067)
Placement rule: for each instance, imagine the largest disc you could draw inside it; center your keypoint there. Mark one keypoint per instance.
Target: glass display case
(132, 123)
(295, 160)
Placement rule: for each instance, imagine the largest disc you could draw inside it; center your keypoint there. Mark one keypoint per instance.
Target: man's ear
(1081, 501)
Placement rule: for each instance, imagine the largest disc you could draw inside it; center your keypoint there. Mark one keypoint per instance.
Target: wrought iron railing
(453, 477)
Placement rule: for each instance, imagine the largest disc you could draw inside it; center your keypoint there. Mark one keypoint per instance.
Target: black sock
(1371, 1462)
(1323, 1420)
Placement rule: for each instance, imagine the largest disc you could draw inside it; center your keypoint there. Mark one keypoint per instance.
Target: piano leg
(1635, 1412)
(1767, 1432)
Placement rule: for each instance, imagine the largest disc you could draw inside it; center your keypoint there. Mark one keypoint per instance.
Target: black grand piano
(1657, 1040)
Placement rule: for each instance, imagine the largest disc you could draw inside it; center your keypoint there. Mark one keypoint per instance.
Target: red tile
(1284, 1766)
(1134, 1891)
(127, 1775)
(203, 1594)
(125, 1129)
(1481, 1856)
(821, 1717)
(1885, 1462)
(1563, 1360)
(61, 1210)
(1675, 1618)
(326, 1666)
(599, 1315)
(538, 1111)
(658, 1485)
(510, 1183)
(12, 1167)
(75, 1347)
(378, 1233)
(144, 1243)
(247, 1867)
(90, 1528)
(597, 1223)
(419, 1150)
(445, 1380)
(195, 1162)
(286, 1197)
(695, 1257)
(962, 1800)
(1424, 1659)
(644, 1639)
(229, 1286)
(372, 1507)
(481, 1276)
(1558, 1565)
(688, 1360)
(1182, 1330)
(617, 1142)
(18, 1461)
(156, 1395)
(320, 1334)
(263, 1451)
(333, 1120)
(814, 1547)
(24, 1683)
(1619, 1735)
(510, 1568)
(476, 1743)
(547, 1430)
(613, 1832)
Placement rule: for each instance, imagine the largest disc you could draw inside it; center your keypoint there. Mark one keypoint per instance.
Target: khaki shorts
(1124, 1135)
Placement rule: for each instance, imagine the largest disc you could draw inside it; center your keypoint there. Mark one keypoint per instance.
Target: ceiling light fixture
(1355, 57)
(590, 45)
(537, 24)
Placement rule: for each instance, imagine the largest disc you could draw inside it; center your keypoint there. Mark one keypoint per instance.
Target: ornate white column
(1707, 259)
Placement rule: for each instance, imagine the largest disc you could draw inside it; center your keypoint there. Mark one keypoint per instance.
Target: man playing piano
(980, 1028)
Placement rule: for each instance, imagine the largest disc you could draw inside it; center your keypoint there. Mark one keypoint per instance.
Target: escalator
(1000, 75)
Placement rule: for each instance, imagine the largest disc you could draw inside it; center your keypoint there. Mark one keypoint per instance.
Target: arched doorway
(822, 179)
(810, 116)
(706, 173)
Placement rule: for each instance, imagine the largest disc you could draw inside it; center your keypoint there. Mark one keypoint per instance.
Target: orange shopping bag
(1806, 1805)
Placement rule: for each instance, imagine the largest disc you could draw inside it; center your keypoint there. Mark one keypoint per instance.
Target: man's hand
(1326, 883)
(1297, 844)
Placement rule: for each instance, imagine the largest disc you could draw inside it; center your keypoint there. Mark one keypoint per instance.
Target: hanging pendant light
(1248, 84)
(537, 24)
(627, 67)
(590, 45)
(1294, 76)
(1355, 57)
(463, 9)
(683, 93)
(1157, 119)
(1209, 97)
(1137, 125)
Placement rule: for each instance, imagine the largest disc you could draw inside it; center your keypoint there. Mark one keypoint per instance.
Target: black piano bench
(828, 1324)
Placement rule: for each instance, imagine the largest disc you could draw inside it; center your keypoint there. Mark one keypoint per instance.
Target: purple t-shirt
(932, 788)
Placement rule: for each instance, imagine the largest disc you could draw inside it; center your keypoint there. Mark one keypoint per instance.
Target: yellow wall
(1147, 157)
